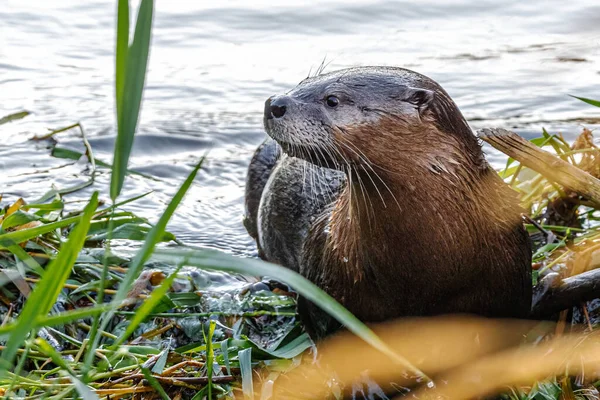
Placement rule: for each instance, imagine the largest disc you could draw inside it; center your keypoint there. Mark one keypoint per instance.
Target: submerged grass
(95, 324)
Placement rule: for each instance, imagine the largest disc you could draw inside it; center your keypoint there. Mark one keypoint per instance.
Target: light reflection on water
(506, 63)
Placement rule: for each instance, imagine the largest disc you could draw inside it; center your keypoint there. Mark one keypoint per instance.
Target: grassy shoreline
(183, 324)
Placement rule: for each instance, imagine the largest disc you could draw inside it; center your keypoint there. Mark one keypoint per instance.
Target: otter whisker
(364, 157)
(314, 179)
(324, 64)
(311, 172)
(304, 177)
(363, 191)
(305, 166)
(369, 210)
(346, 164)
(328, 191)
(300, 149)
(374, 185)
(328, 150)
(365, 161)
(323, 180)
(351, 170)
(296, 148)
(305, 169)
(387, 187)
(351, 190)
(368, 162)
(348, 171)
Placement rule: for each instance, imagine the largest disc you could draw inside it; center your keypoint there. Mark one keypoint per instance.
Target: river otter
(373, 186)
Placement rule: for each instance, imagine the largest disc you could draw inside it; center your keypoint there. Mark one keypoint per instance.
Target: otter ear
(421, 98)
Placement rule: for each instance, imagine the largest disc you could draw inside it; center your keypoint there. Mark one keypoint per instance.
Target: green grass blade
(45, 348)
(589, 101)
(61, 318)
(159, 367)
(26, 259)
(84, 390)
(74, 315)
(13, 117)
(293, 348)
(122, 203)
(155, 384)
(201, 395)
(17, 218)
(505, 171)
(121, 56)
(19, 367)
(225, 353)
(210, 357)
(154, 236)
(133, 87)
(147, 306)
(55, 205)
(10, 238)
(216, 260)
(44, 295)
(68, 154)
(245, 357)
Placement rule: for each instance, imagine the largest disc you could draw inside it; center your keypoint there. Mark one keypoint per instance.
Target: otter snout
(276, 106)
(296, 124)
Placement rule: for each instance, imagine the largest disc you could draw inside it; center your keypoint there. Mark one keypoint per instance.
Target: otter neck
(380, 214)
(374, 198)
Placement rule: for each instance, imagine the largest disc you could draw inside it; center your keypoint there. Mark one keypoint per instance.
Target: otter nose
(275, 107)
(278, 111)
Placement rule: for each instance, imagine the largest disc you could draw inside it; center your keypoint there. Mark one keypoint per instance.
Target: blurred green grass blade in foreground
(121, 52)
(589, 101)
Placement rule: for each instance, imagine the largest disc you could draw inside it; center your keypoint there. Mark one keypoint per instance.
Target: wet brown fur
(436, 232)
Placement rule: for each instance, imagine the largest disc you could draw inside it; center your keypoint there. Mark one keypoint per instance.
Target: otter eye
(332, 101)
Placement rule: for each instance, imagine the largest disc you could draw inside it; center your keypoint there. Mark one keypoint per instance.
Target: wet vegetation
(82, 320)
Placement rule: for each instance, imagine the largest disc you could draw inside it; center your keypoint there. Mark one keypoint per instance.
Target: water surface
(509, 64)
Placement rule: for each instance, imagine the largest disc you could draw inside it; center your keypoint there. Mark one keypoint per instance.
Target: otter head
(375, 116)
